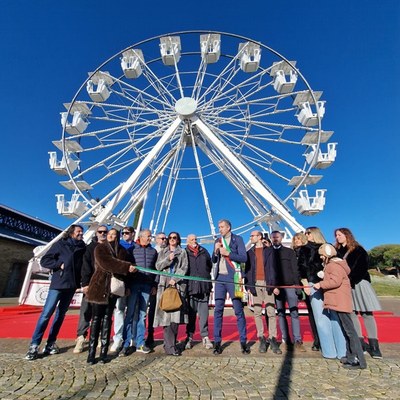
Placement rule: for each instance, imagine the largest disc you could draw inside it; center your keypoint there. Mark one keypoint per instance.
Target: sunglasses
(308, 233)
(102, 232)
(164, 238)
(173, 237)
(126, 233)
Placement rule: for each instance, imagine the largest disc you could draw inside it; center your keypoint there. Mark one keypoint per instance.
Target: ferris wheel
(186, 128)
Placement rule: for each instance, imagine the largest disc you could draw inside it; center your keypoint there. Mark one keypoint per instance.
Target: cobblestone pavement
(197, 374)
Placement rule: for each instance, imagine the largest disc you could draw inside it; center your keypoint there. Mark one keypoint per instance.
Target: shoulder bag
(117, 287)
(170, 299)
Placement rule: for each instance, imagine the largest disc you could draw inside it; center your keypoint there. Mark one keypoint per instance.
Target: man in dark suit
(229, 252)
(288, 275)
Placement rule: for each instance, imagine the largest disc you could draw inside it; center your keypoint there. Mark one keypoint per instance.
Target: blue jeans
(289, 295)
(221, 288)
(331, 338)
(59, 299)
(140, 293)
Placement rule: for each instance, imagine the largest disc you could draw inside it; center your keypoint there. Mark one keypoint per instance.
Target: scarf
(194, 250)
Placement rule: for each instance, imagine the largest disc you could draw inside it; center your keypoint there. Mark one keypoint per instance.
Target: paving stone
(197, 374)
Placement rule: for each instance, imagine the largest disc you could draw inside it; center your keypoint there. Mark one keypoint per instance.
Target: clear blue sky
(349, 49)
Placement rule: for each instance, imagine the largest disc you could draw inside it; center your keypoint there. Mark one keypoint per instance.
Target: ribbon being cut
(196, 278)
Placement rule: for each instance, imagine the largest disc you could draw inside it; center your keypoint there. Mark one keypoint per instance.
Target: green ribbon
(199, 279)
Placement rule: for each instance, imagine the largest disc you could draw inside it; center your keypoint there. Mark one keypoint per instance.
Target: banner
(37, 294)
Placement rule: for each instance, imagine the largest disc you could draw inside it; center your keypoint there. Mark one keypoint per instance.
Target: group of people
(332, 279)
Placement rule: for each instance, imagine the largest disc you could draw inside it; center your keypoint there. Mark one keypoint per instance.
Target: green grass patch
(385, 286)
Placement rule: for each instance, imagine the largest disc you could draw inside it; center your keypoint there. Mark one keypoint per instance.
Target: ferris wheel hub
(186, 107)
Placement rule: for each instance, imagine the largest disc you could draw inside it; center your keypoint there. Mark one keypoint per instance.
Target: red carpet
(20, 321)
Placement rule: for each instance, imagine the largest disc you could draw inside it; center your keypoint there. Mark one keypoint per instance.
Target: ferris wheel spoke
(202, 185)
(242, 186)
(139, 191)
(170, 186)
(213, 87)
(261, 153)
(200, 76)
(143, 97)
(233, 96)
(267, 101)
(158, 85)
(218, 95)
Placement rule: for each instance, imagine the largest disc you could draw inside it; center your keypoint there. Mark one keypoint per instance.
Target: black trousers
(101, 326)
(85, 316)
(353, 343)
(170, 335)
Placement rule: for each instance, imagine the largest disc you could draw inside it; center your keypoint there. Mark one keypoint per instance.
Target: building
(19, 235)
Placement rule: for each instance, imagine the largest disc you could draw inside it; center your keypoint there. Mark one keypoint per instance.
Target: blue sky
(349, 49)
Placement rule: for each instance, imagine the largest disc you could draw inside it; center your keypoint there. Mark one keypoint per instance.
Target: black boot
(217, 348)
(105, 338)
(364, 345)
(245, 349)
(263, 345)
(374, 348)
(275, 346)
(316, 346)
(94, 338)
(150, 340)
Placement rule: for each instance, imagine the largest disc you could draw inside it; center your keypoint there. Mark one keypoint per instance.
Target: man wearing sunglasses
(85, 314)
(126, 241)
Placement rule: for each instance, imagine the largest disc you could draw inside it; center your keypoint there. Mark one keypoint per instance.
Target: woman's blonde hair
(318, 236)
(302, 237)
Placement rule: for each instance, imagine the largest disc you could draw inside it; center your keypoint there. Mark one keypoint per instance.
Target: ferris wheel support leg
(248, 175)
(131, 181)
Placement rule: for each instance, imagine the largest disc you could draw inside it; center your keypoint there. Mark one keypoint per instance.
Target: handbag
(170, 299)
(117, 286)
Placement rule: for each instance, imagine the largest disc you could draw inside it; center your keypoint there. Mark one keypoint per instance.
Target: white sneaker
(116, 346)
(80, 341)
(207, 343)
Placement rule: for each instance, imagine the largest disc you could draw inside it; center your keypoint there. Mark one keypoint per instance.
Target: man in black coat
(288, 275)
(260, 282)
(198, 292)
(64, 258)
(85, 314)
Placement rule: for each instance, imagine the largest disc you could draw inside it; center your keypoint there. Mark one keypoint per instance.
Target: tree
(386, 256)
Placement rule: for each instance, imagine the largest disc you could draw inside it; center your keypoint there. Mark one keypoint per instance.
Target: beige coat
(163, 318)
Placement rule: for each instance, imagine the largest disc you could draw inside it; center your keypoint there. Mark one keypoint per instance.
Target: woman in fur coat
(109, 258)
(172, 259)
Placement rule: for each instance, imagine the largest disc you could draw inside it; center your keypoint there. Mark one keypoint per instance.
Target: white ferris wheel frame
(255, 187)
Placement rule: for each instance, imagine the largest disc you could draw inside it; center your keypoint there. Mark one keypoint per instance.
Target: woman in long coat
(109, 259)
(172, 259)
(365, 301)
